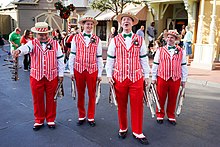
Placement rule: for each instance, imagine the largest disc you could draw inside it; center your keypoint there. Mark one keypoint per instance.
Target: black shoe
(122, 135)
(37, 127)
(143, 141)
(80, 122)
(51, 126)
(160, 121)
(172, 122)
(92, 123)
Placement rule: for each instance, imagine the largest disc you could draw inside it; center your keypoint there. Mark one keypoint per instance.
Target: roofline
(24, 3)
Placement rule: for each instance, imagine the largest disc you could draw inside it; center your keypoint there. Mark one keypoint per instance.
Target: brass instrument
(112, 95)
(155, 98)
(73, 89)
(59, 91)
(98, 91)
(180, 97)
(148, 101)
(14, 67)
(150, 97)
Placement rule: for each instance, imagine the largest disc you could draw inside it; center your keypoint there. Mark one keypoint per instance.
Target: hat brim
(133, 17)
(95, 22)
(33, 29)
(177, 36)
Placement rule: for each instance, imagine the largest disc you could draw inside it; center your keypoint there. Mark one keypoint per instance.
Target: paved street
(197, 126)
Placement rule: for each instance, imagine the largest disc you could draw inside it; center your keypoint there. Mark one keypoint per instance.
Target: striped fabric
(170, 67)
(44, 62)
(127, 62)
(42, 29)
(86, 58)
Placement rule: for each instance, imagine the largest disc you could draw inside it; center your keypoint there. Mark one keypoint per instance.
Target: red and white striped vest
(44, 63)
(127, 63)
(170, 68)
(86, 56)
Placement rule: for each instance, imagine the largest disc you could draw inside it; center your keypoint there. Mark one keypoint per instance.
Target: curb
(203, 83)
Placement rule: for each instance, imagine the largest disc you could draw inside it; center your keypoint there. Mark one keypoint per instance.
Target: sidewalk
(204, 77)
(201, 76)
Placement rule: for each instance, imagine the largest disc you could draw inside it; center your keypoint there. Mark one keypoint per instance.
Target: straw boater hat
(88, 18)
(173, 33)
(41, 27)
(127, 14)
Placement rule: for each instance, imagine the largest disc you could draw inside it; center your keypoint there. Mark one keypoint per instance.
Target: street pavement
(197, 126)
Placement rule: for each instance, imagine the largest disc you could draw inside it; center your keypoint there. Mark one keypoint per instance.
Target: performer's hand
(99, 79)
(16, 53)
(146, 81)
(60, 79)
(153, 81)
(72, 77)
(183, 84)
(110, 80)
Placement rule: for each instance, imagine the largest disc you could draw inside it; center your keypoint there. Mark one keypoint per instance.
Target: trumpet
(98, 91)
(112, 95)
(180, 97)
(59, 91)
(150, 97)
(73, 89)
(155, 98)
(148, 101)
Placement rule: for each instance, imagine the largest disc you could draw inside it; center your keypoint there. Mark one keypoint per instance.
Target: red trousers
(38, 89)
(135, 91)
(171, 89)
(83, 79)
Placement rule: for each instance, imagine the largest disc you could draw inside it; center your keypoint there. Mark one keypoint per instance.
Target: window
(101, 30)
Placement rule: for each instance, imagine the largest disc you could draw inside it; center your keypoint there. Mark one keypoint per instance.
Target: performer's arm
(99, 59)
(184, 67)
(25, 49)
(110, 58)
(155, 65)
(144, 59)
(72, 56)
(60, 60)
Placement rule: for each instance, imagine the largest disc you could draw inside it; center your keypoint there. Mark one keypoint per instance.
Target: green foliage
(115, 6)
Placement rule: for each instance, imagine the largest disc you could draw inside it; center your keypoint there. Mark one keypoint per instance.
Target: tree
(115, 6)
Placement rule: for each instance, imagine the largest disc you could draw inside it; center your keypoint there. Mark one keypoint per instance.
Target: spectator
(14, 39)
(24, 39)
(112, 35)
(151, 32)
(188, 44)
(140, 32)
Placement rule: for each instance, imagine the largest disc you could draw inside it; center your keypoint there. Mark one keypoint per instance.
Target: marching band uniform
(126, 62)
(46, 65)
(85, 64)
(169, 69)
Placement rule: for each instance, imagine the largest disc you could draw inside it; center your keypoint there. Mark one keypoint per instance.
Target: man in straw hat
(47, 66)
(85, 64)
(127, 67)
(169, 71)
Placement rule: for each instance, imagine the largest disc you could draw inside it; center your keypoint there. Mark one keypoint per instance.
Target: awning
(106, 15)
(138, 10)
(93, 13)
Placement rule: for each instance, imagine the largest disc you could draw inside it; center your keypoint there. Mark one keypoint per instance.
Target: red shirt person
(127, 67)
(86, 65)
(169, 71)
(44, 74)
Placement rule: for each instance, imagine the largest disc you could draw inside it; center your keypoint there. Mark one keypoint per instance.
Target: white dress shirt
(128, 40)
(28, 48)
(171, 52)
(73, 56)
